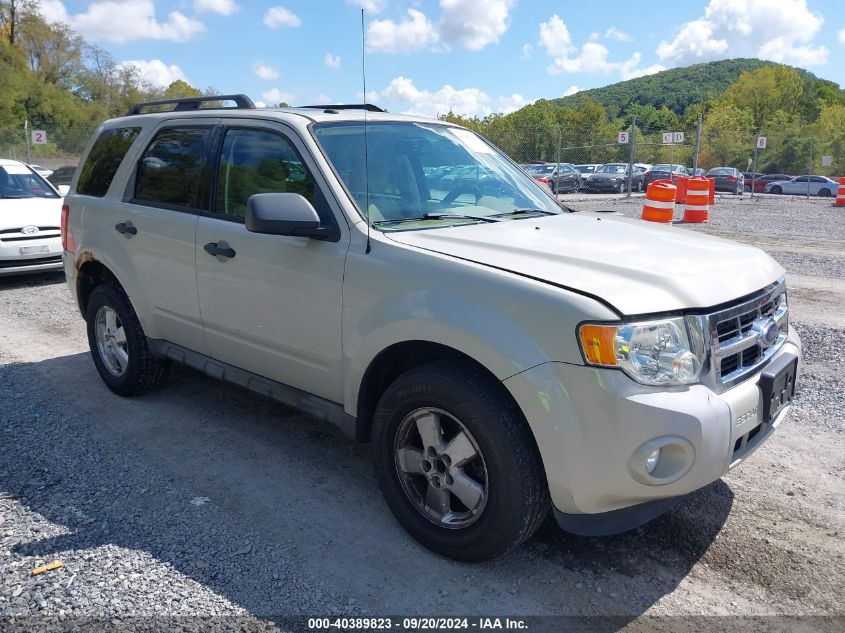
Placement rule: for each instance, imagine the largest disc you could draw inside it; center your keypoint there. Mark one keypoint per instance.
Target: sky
(427, 57)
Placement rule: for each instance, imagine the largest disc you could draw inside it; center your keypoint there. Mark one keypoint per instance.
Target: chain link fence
(786, 153)
(47, 145)
(54, 146)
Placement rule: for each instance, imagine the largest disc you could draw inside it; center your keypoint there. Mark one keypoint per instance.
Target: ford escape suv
(405, 281)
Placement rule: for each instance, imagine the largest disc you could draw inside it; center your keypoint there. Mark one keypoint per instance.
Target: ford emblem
(30, 230)
(767, 333)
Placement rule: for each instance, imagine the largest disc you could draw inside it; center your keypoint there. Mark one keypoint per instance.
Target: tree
(767, 90)
(12, 13)
(180, 89)
(54, 51)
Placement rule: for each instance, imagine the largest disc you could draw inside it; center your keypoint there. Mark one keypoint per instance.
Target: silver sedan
(801, 185)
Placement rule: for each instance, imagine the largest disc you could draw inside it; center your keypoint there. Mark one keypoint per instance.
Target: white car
(821, 186)
(30, 221)
(505, 357)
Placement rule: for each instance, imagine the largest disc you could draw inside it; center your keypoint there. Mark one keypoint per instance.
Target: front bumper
(590, 422)
(31, 256)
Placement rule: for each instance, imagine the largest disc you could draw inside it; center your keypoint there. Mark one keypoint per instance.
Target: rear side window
(104, 159)
(172, 170)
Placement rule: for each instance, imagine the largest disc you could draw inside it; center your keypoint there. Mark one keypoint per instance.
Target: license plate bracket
(35, 250)
(777, 384)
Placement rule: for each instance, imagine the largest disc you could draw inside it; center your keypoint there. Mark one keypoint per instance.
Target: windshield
(422, 171)
(611, 169)
(665, 167)
(19, 181)
(539, 170)
(585, 169)
(721, 171)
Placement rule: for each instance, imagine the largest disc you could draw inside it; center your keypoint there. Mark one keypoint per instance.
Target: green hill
(675, 88)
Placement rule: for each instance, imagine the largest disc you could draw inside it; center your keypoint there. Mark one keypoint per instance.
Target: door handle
(126, 228)
(219, 249)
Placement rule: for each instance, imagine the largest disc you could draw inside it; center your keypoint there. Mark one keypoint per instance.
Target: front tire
(118, 344)
(457, 463)
(777, 190)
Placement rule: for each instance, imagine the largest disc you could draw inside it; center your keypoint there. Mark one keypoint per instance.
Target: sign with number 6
(761, 142)
(39, 137)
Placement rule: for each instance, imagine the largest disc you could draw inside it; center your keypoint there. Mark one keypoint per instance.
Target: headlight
(652, 352)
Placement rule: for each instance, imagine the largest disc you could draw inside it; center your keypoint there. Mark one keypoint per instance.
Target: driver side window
(258, 161)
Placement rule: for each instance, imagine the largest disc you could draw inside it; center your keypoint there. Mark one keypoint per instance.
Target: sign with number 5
(39, 137)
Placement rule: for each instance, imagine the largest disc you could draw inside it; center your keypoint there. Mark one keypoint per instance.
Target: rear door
(158, 217)
(273, 307)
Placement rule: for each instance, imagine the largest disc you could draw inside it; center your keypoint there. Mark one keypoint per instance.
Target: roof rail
(369, 107)
(193, 103)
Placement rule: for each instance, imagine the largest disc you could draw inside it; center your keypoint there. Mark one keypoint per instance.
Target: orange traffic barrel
(659, 205)
(697, 208)
(840, 195)
(712, 197)
(681, 182)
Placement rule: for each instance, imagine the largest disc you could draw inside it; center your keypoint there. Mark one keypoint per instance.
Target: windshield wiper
(439, 216)
(525, 211)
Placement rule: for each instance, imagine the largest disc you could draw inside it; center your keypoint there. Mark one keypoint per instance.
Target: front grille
(15, 263)
(15, 235)
(744, 336)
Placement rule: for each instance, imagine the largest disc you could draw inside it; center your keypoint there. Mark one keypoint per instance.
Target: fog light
(651, 461)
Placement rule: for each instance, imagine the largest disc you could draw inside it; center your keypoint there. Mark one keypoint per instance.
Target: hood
(19, 212)
(635, 266)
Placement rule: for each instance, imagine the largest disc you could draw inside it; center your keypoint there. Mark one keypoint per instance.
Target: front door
(271, 304)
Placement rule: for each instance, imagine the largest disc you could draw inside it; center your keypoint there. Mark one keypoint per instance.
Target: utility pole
(26, 139)
(697, 144)
(631, 155)
(559, 141)
(809, 170)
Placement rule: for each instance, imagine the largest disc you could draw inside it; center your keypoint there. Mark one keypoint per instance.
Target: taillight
(731, 177)
(67, 241)
(545, 181)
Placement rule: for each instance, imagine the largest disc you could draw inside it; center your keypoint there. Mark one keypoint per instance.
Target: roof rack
(193, 103)
(369, 107)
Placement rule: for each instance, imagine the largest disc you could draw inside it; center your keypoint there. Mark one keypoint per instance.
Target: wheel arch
(400, 357)
(90, 274)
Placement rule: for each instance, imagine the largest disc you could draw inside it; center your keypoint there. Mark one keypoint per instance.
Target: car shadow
(31, 280)
(255, 501)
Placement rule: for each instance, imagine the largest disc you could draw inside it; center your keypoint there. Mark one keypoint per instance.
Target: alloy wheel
(111, 341)
(441, 468)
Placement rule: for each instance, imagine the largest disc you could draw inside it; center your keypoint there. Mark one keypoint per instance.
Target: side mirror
(63, 190)
(284, 214)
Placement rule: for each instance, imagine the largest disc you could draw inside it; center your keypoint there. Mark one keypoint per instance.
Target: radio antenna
(366, 148)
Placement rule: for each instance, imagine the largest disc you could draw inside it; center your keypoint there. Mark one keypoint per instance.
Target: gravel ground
(206, 500)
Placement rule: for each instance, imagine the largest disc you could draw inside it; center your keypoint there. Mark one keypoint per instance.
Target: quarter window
(257, 161)
(172, 170)
(104, 159)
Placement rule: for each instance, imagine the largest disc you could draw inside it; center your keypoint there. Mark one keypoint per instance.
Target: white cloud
(527, 52)
(571, 90)
(155, 72)
(277, 17)
(592, 57)
(474, 24)
(431, 103)
(223, 7)
(332, 61)
(370, 6)
(842, 36)
(615, 34)
(778, 30)
(260, 104)
(123, 21)
(275, 96)
(407, 36)
(511, 103)
(265, 71)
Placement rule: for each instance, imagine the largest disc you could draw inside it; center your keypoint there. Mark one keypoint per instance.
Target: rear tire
(118, 344)
(824, 193)
(470, 509)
